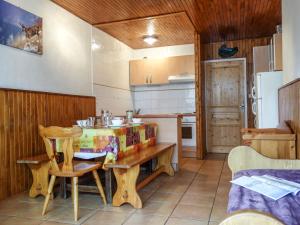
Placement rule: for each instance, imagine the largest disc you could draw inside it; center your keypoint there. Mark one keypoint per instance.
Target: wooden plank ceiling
(215, 20)
(170, 29)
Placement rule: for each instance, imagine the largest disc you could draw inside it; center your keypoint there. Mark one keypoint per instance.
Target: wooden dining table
(108, 144)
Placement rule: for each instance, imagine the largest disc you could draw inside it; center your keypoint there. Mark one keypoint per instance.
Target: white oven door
(188, 134)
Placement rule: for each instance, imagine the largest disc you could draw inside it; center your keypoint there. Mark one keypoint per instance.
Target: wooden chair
(68, 168)
(249, 217)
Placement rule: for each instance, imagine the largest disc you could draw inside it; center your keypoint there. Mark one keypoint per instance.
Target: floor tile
(53, 223)
(107, 218)
(192, 212)
(219, 211)
(138, 219)
(195, 195)
(197, 200)
(20, 221)
(178, 221)
(165, 197)
(157, 208)
(145, 195)
(126, 208)
(213, 223)
(66, 215)
(173, 188)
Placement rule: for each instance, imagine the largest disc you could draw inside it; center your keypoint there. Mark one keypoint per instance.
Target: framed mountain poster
(20, 29)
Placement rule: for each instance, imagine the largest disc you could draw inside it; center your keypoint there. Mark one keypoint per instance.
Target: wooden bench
(39, 166)
(127, 169)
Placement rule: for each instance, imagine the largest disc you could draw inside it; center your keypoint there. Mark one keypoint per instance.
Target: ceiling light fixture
(150, 39)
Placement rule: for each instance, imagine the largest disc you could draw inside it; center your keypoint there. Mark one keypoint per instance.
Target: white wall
(171, 98)
(65, 64)
(291, 35)
(159, 52)
(111, 74)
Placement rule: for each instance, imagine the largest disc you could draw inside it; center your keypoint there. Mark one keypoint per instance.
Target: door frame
(244, 60)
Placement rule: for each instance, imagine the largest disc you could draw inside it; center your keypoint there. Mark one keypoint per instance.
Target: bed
(244, 160)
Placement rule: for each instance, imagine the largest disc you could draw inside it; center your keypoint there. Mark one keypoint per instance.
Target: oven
(188, 129)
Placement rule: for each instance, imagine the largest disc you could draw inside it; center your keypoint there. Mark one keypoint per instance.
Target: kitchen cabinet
(137, 68)
(276, 59)
(156, 71)
(261, 59)
(268, 58)
(181, 65)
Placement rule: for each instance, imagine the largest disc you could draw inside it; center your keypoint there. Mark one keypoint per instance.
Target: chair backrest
(65, 136)
(249, 217)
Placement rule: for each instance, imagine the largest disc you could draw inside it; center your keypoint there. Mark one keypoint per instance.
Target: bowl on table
(136, 120)
(82, 123)
(117, 122)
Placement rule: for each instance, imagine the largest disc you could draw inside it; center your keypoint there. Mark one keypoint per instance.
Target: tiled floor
(196, 195)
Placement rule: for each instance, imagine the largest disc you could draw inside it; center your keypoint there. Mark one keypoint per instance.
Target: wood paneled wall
(200, 98)
(245, 46)
(20, 114)
(289, 108)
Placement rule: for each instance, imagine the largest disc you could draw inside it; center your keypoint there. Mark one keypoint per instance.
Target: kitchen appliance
(182, 78)
(265, 99)
(188, 128)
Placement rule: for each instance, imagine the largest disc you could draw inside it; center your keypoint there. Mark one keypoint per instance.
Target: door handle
(150, 79)
(147, 80)
(242, 107)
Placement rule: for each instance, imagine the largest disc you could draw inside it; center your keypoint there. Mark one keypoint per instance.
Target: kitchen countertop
(175, 115)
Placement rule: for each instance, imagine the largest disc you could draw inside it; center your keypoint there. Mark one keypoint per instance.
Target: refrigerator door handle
(253, 94)
(254, 108)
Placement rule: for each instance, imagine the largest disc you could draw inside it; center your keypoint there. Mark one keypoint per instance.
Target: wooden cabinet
(272, 143)
(157, 71)
(261, 59)
(268, 58)
(277, 52)
(180, 65)
(138, 76)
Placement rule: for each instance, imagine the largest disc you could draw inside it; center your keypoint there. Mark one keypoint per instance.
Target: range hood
(182, 78)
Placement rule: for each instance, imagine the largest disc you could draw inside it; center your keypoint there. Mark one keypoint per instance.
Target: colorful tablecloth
(117, 142)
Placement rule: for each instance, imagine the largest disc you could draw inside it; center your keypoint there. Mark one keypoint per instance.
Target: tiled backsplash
(115, 100)
(172, 98)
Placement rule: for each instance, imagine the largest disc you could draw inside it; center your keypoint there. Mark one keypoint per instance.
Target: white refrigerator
(266, 99)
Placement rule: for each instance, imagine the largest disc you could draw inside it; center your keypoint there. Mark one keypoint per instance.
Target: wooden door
(225, 105)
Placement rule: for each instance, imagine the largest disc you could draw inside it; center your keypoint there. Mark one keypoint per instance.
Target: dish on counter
(121, 125)
(137, 120)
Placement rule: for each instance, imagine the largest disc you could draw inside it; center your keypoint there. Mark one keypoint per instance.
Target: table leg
(40, 179)
(108, 185)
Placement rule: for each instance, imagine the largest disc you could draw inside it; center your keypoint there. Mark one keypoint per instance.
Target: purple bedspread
(286, 209)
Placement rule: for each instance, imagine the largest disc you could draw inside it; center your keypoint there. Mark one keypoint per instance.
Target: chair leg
(49, 193)
(75, 197)
(99, 185)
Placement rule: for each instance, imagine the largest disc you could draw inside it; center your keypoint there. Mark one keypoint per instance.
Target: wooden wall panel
(245, 46)
(20, 114)
(200, 98)
(289, 108)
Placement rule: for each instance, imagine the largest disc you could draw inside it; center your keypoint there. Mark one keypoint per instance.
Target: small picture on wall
(20, 29)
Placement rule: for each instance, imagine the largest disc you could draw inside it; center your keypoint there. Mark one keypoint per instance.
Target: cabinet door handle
(150, 79)
(147, 79)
